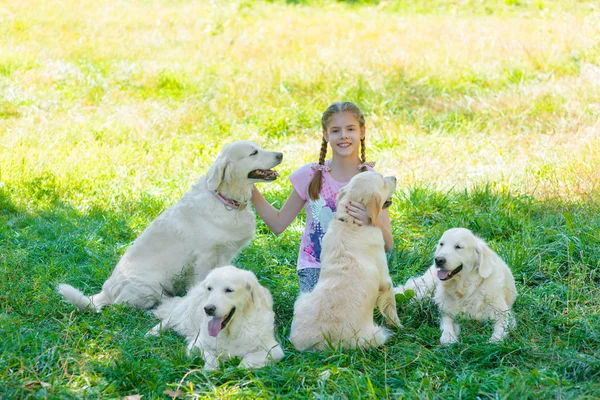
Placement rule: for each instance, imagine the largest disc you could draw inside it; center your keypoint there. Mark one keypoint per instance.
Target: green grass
(487, 113)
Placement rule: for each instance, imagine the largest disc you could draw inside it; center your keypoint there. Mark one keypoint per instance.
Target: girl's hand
(359, 213)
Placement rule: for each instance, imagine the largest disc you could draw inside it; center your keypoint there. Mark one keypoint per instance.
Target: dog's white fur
(354, 276)
(249, 334)
(195, 235)
(484, 288)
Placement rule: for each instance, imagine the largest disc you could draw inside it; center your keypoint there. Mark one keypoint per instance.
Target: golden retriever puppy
(467, 278)
(205, 229)
(227, 315)
(354, 276)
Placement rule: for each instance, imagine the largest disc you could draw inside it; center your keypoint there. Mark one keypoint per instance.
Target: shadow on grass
(46, 241)
(552, 246)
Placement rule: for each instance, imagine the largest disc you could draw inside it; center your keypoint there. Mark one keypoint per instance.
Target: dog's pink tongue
(443, 274)
(214, 326)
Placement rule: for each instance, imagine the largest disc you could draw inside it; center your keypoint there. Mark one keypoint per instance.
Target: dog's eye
(458, 247)
(209, 288)
(441, 244)
(229, 290)
(255, 152)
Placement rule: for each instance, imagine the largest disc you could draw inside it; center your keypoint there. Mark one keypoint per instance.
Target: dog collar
(345, 219)
(229, 204)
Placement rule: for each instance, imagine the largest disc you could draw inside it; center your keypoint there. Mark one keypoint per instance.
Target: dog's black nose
(210, 310)
(279, 156)
(440, 261)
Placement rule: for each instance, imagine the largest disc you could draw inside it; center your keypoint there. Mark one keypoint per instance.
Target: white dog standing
(468, 278)
(228, 315)
(205, 229)
(354, 276)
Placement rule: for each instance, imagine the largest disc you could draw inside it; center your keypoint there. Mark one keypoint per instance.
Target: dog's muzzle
(266, 174)
(216, 325)
(387, 203)
(447, 275)
(263, 174)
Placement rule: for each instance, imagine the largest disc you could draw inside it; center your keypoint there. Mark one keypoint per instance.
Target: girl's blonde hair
(314, 188)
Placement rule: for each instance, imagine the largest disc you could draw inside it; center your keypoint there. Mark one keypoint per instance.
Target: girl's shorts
(308, 278)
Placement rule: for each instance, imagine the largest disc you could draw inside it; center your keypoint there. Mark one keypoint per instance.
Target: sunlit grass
(123, 86)
(487, 112)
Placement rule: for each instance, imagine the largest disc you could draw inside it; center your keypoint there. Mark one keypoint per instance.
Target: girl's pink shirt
(319, 213)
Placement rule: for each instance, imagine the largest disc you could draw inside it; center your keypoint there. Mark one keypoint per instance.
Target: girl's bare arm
(386, 228)
(277, 220)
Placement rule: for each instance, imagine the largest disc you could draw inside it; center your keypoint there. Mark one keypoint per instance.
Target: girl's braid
(323, 153)
(363, 157)
(314, 188)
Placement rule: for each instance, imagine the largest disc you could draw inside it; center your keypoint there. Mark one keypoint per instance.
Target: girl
(316, 185)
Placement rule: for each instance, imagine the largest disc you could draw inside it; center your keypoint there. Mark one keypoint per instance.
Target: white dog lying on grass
(205, 229)
(227, 315)
(468, 278)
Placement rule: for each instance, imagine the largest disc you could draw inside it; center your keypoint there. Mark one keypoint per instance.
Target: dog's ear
(217, 172)
(373, 205)
(341, 196)
(260, 297)
(485, 259)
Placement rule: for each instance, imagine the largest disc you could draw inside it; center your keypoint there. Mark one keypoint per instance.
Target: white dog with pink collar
(205, 229)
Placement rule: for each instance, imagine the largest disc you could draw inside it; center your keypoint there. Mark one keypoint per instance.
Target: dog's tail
(382, 336)
(81, 301)
(375, 336)
(387, 305)
(423, 286)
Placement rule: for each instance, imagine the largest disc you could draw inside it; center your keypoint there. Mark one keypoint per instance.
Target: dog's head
(244, 162)
(370, 189)
(231, 293)
(459, 250)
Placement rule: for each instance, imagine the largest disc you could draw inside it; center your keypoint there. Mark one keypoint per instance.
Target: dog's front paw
(394, 322)
(448, 338)
(211, 360)
(155, 331)
(210, 367)
(211, 364)
(497, 338)
(246, 364)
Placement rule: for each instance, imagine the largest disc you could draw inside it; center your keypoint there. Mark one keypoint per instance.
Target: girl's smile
(344, 134)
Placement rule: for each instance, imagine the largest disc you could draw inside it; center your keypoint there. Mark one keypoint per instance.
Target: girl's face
(344, 134)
